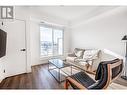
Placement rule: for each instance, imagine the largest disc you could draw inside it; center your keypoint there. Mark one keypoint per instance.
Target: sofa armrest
(83, 60)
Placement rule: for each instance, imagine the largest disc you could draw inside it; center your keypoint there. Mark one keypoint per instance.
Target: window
(51, 41)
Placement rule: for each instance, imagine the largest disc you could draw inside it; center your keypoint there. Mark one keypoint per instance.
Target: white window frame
(53, 27)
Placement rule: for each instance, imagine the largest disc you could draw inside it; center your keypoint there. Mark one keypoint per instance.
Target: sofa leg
(66, 85)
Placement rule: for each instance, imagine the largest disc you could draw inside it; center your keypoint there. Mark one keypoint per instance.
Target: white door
(15, 52)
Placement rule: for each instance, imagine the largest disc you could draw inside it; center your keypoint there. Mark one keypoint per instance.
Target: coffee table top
(59, 63)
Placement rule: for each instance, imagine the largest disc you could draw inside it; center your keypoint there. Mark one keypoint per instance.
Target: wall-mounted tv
(3, 37)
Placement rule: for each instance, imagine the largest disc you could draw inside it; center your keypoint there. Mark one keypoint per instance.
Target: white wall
(104, 31)
(32, 19)
(4, 61)
(35, 20)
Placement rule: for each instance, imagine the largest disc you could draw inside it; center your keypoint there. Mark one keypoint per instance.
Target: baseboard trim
(39, 64)
(17, 75)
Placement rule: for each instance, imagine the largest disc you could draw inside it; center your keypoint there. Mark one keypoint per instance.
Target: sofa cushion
(71, 59)
(91, 54)
(78, 52)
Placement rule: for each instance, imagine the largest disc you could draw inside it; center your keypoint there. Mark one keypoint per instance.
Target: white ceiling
(73, 13)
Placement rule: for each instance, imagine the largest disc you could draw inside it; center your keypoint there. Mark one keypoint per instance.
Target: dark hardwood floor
(39, 78)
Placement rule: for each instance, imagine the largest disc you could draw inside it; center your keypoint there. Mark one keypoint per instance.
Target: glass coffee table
(57, 69)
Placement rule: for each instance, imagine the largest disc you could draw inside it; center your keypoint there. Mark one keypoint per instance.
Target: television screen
(3, 37)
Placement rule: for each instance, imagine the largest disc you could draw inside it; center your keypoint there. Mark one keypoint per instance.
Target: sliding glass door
(51, 41)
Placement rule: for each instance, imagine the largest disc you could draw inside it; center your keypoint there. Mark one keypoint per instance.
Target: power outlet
(4, 70)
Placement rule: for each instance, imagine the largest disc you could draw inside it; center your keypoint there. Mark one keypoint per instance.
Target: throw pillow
(78, 53)
(91, 54)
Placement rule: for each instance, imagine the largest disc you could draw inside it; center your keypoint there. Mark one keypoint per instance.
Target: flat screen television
(3, 37)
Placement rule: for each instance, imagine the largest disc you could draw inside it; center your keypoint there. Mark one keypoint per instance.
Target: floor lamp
(125, 66)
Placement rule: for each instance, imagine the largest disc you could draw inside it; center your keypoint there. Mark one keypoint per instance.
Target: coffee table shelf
(55, 67)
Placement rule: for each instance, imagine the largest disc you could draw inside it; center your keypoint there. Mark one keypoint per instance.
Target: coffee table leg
(48, 66)
(59, 76)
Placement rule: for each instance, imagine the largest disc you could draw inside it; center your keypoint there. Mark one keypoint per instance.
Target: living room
(39, 34)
